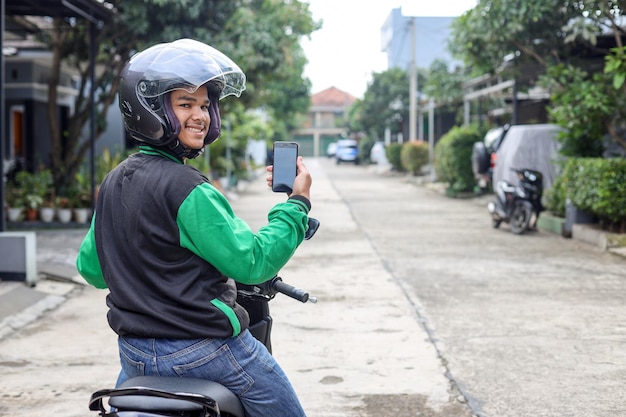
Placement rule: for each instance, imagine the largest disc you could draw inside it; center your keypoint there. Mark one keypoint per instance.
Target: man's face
(192, 112)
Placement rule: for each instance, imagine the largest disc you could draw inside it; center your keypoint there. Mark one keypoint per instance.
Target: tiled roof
(332, 97)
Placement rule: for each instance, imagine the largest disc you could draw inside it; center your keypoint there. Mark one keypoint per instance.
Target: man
(169, 248)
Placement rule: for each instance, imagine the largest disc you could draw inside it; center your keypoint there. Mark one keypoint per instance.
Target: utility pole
(413, 87)
(431, 138)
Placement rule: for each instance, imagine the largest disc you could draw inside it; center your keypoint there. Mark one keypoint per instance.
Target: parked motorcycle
(159, 396)
(516, 204)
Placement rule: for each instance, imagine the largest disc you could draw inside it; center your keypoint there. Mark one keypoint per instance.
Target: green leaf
(618, 80)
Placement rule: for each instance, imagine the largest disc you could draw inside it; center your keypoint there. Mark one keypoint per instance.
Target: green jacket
(167, 245)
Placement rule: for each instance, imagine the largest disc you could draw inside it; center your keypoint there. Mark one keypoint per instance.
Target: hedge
(594, 185)
(413, 156)
(393, 152)
(453, 158)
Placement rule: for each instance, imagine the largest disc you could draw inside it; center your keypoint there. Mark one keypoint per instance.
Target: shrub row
(594, 185)
(408, 157)
(392, 152)
(414, 156)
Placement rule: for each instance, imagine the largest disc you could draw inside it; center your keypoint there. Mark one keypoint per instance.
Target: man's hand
(302, 182)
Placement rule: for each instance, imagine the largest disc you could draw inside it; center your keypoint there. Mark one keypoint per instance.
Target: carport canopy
(98, 10)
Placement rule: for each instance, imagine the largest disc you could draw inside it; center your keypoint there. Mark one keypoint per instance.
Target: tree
(444, 86)
(561, 38)
(588, 102)
(584, 105)
(385, 104)
(267, 49)
(484, 35)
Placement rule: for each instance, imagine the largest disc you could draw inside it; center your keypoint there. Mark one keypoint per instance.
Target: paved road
(423, 309)
(528, 325)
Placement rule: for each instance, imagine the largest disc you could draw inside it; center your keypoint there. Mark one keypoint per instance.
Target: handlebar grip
(290, 291)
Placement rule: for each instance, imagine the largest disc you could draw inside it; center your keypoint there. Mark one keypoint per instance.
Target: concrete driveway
(529, 325)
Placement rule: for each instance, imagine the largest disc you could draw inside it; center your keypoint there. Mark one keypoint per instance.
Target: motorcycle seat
(226, 400)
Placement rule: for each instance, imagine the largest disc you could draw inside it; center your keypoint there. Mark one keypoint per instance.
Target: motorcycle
(516, 204)
(159, 396)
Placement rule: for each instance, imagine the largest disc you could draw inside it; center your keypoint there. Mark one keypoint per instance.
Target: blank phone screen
(285, 155)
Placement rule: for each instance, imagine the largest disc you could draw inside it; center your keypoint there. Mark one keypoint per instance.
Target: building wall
(431, 37)
(430, 43)
(26, 92)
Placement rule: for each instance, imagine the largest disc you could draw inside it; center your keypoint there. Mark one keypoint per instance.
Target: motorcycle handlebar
(296, 293)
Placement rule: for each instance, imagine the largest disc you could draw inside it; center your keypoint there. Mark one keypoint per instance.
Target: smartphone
(284, 173)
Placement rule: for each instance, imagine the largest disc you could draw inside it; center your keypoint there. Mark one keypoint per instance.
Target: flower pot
(64, 215)
(46, 214)
(31, 214)
(15, 214)
(81, 215)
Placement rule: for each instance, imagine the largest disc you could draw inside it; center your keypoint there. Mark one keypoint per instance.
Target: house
(326, 121)
(23, 90)
(28, 139)
(26, 70)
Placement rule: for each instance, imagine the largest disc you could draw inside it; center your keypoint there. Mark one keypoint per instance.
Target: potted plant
(14, 198)
(63, 209)
(33, 201)
(35, 187)
(82, 209)
(81, 201)
(47, 211)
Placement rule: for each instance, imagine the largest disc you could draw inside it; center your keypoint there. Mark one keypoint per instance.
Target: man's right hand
(303, 181)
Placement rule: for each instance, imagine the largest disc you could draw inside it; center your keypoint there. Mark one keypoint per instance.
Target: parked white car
(377, 154)
(331, 149)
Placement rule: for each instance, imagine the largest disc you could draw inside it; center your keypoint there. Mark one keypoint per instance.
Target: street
(424, 310)
(527, 325)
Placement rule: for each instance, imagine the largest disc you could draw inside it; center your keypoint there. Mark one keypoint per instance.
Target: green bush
(393, 152)
(365, 148)
(598, 186)
(556, 196)
(580, 182)
(413, 156)
(453, 158)
(108, 160)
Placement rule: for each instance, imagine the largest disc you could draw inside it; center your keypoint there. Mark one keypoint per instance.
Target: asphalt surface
(424, 310)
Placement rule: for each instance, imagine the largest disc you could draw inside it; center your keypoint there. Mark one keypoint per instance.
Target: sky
(337, 59)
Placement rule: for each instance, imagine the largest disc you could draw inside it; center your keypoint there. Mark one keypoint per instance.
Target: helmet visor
(185, 64)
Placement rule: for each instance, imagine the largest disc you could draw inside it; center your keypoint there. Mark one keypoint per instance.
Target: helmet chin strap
(181, 151)
(194, 153)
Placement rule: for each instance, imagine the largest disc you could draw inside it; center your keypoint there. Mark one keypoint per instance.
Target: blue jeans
(242, 364)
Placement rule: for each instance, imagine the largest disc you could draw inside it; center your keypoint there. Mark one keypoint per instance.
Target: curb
(21, 304)
(29, 314)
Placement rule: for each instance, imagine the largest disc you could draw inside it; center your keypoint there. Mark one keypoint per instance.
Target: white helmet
(183, 64)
